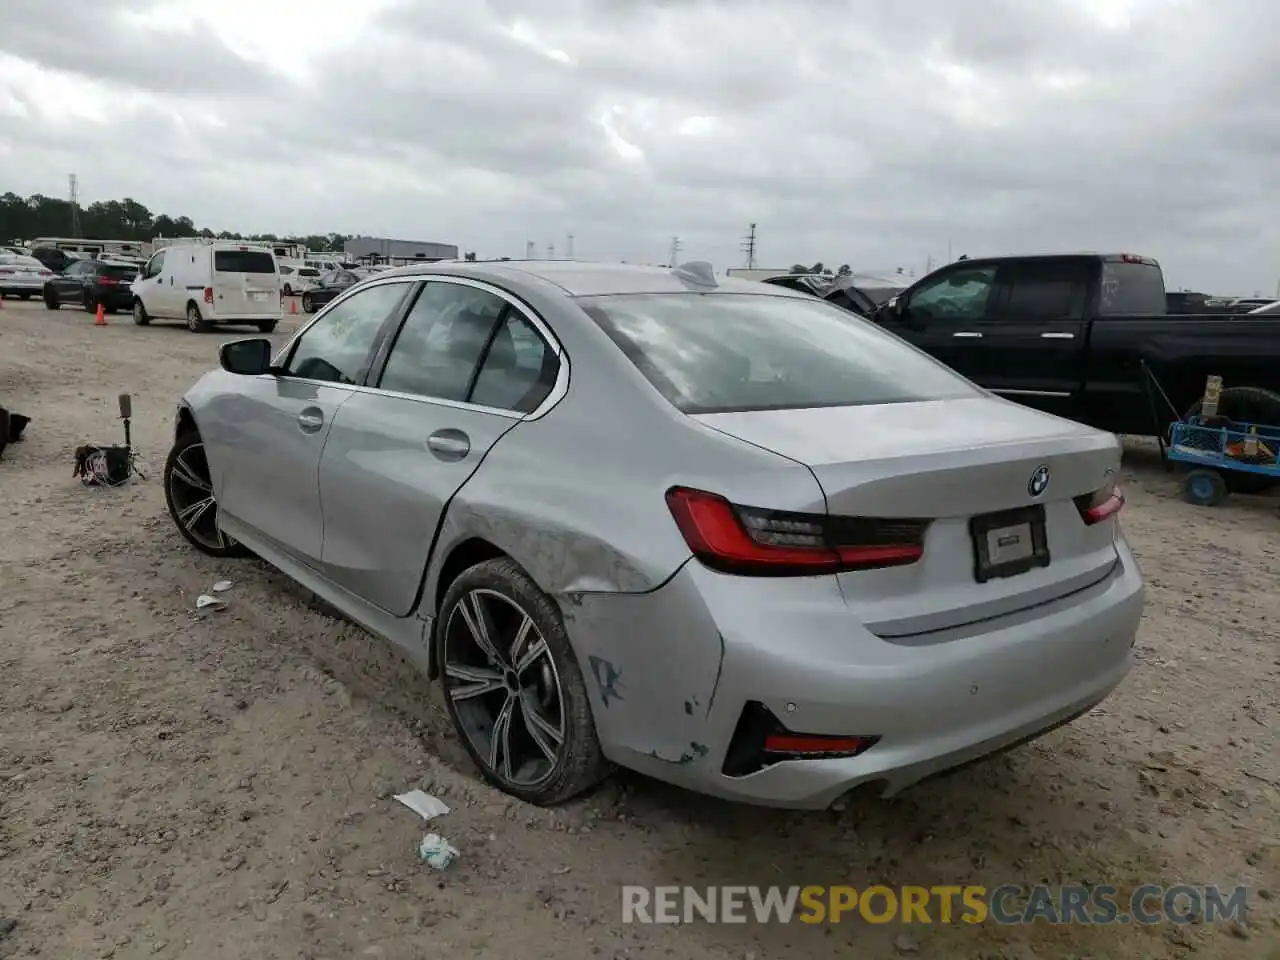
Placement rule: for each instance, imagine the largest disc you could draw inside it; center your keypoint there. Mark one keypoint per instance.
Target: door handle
(1057, 336)
(968, 335)
(310, 420)
(449, 444)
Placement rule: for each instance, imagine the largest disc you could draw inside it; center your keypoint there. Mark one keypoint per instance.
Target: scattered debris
(222, 586)
(205, 602)
(423, 804)
(436, 851)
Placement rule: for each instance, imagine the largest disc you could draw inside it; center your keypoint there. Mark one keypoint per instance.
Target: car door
(465, 367)
(944, 315)
(1035, 340)
(268, 432)
(70, 283)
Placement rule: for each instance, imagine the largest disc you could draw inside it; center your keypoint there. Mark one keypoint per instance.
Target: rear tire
(90, 305)
(307, 305)
(266, 326)
(196, 322)
(51, 300)
(140, 316)
(1248, 405)
(1205, 488)
(24, 296)
(288, 290)
(549, 751)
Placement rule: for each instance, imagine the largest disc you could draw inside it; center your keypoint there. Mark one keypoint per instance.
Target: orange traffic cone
(100, 318)
(293, 306)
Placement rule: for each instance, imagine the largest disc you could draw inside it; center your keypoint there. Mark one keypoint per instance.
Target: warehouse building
(383, 250)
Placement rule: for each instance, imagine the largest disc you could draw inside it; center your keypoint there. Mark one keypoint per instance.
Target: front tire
(140, 316)
(188, 493)
(513, 688)
(1205, 488)
(288, 290)
(196, 323)
(266, 326)
(307, 305)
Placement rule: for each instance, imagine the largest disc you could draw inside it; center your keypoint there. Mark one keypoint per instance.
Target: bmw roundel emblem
(1039, 481)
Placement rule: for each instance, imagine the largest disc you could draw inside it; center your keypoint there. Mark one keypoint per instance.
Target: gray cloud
(874, 134)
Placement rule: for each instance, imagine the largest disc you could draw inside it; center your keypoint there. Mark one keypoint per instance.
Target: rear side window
(710, 353)
(1045, 290)
(1130, 288)
(243, 261)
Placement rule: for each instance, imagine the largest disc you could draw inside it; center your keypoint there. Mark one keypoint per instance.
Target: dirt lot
(208, 786)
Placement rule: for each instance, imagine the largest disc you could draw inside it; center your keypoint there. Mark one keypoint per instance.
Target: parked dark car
(861, 295)
(329, 286)
(1071, 335)
(88, 283)
(53, 258)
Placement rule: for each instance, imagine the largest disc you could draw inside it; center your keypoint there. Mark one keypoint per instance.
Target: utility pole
(749, 247)
(675, 250)
(74, 182)
(568, 247)
(551, 251)
(530, 252)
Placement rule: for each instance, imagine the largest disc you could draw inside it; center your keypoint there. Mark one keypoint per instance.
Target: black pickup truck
(1069, 334)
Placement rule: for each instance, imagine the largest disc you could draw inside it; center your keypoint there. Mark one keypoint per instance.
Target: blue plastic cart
(1221, 454)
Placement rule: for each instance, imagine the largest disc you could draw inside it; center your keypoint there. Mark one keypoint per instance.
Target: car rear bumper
(673, 671)
(117, 298)
(20, 285)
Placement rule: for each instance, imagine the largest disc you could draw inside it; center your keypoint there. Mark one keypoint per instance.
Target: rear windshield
(716, 353)
(1131, 288)
(243, 261)
(308, 272)
(118, 270)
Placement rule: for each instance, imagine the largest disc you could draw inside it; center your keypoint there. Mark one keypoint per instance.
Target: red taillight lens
(7, 272)
(800, 745)
(208, 294)
(1099, 505)
(108, 281)
(753, 541)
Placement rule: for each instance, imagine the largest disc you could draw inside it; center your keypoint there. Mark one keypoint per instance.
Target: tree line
(40, 216)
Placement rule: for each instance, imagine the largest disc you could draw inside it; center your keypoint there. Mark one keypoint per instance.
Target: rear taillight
(1099, 505)
(46, 273)
(208, 294)
(757, 542)
(109, 281)
(5, 271)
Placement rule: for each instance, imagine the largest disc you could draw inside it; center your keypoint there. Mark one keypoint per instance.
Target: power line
(749, 247)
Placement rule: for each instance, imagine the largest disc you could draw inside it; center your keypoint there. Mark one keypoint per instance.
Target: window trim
(392, 328)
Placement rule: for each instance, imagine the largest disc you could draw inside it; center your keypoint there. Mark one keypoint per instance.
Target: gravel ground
(175, 784)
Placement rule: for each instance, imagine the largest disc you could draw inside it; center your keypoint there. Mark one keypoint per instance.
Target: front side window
(712, 353)
(441, 342)
(958, 294)
(154, 266)
(338, 346)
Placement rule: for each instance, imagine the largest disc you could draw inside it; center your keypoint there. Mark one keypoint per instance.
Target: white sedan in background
(21, 276)
(294, 280)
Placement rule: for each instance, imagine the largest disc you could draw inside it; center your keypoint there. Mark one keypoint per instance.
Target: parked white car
(22, 276)
(297, 280)
(207, 283)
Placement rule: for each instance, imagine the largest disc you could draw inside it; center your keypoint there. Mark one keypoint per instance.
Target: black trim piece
(498, 321)
(384, 342)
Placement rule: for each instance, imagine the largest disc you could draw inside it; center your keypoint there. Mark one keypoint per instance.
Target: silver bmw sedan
(719, 532)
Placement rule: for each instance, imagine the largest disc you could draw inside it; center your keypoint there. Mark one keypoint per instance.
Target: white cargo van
(207, 283)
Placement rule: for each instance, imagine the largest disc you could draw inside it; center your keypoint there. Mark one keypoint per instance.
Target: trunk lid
(951, 461)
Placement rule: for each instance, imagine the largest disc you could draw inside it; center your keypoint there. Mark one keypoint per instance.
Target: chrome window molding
(558, 389)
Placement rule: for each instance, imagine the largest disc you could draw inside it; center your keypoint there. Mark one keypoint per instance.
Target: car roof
(583, 278)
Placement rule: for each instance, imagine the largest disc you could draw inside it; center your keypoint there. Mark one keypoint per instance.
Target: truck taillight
(1101, 504)
(753, 541)
(208, 294)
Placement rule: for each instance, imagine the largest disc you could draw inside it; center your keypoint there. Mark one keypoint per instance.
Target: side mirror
(249, 358)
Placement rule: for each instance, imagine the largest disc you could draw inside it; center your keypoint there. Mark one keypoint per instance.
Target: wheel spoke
(191, 515)
(546, 735)
(184, 472)
(500, 739)
(473, 614)
(476, 681)
(522, 635)
(531, 656)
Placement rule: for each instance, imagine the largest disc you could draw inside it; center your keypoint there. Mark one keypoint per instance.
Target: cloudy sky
(873, 133)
